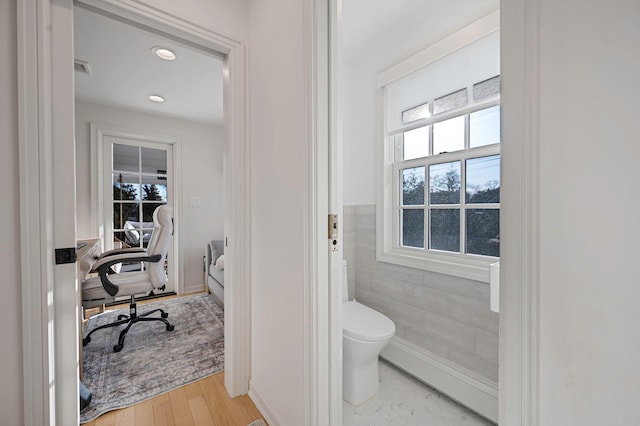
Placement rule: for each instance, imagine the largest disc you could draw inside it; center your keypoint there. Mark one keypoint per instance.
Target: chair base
(130, 319)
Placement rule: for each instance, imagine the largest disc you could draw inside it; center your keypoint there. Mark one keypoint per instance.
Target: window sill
(472, 269)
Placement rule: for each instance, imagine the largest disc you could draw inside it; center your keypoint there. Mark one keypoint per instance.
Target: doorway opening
(413, 254)
(50, 43)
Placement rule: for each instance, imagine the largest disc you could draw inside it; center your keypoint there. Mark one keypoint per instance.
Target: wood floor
(203, 403)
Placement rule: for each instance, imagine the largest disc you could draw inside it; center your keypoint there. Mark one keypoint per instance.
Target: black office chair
(103, 289)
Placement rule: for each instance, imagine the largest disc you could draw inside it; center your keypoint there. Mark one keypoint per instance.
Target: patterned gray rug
(153, 360)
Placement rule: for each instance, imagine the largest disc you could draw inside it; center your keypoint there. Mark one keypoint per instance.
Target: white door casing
(336, 207)
(102, 135)
(519, 218)
(323, 334)
(45, 50)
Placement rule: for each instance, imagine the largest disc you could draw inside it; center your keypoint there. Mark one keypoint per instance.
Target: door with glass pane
(138, 179)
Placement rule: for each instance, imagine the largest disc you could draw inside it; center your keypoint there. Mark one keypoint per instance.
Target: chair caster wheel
(170, 328)
(122, 316)
(117, 348)
(86, 341)
(164, 315)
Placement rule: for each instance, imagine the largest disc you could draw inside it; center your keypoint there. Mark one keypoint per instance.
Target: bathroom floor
(403, 400)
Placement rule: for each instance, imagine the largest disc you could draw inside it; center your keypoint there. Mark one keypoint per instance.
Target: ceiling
(125, 71)
(370, 26)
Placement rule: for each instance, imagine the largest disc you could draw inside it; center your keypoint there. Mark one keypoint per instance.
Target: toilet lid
(363, 323)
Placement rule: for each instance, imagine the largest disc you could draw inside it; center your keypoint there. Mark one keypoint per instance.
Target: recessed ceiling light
(156, 98)
(164, 53)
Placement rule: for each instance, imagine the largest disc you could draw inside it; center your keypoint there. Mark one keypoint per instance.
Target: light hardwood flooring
(202, 403)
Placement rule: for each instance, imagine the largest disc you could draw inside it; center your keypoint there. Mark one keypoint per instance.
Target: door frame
(45, 50)
(520, 319)
(98, 132)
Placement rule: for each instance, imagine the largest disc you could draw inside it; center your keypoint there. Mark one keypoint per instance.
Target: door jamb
(520, 265)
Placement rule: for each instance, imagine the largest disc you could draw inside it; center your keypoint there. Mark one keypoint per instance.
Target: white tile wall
(446, 315)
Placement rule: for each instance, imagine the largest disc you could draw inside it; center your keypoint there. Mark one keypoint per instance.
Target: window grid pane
(416, 143)
(484, 127)
(416, 113)
(483, 232)
(444, 183)
(451, 101)
(483, 180)
(412, 223)
(486, 88)
(413, 186)
(449, 135)
(444, 230)
(126, 158)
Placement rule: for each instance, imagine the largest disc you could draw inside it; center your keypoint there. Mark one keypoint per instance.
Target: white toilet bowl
(365, 332)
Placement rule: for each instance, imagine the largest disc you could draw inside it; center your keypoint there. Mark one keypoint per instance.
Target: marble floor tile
(403, 400)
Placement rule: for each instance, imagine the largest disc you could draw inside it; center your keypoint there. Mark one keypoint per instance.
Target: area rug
(153, 360)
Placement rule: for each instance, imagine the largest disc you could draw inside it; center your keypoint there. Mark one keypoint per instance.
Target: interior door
(138, 178)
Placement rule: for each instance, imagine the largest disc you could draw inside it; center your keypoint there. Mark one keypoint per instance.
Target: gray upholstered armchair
(108, 285)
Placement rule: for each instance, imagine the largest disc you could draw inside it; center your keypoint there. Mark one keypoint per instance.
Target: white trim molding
(98, 132)
(36, 233)
(477, 393)
(484, 26)
(237, 224)
(519, 265)
(320, 369)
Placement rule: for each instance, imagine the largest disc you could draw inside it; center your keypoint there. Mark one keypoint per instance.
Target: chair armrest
(103, 267)
(108, 261)
(122, 251)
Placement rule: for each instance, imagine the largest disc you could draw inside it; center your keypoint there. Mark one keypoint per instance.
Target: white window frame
(98, 186)
(388, 249)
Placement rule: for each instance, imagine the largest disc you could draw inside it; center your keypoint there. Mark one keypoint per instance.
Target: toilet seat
(363, 323)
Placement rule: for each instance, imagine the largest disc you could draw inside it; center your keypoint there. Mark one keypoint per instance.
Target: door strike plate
(333, 231)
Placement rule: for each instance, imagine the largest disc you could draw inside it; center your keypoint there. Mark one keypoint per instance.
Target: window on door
(139, 177)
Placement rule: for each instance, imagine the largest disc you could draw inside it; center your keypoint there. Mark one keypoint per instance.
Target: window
(139, 176)
(441, 163)
(449, 184)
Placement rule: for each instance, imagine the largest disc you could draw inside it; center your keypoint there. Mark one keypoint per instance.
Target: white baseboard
(257, 399)
(478, 394)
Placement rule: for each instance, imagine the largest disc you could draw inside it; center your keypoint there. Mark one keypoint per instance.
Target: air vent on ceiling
(82, 66)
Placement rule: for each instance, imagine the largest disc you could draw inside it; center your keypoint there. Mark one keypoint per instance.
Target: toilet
(365, 332)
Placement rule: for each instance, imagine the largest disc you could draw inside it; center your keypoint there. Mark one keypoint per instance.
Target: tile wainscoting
(447, 316)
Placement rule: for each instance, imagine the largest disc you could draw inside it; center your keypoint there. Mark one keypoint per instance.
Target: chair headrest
(162, 215)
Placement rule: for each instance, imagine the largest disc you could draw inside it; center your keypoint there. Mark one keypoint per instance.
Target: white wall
(359, 133)
(202, 151)
(11, 400)
(276, 87)
(590, 232)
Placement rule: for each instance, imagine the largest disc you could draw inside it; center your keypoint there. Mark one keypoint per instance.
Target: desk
(86, 256)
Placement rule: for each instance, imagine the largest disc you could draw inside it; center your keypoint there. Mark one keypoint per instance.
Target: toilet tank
(344, 283)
